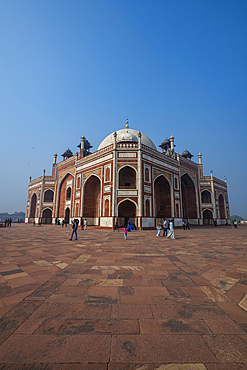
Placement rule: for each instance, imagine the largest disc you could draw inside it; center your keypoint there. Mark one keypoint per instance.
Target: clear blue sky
(72, 68)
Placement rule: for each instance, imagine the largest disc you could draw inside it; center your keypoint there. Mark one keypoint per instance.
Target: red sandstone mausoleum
(127, 177)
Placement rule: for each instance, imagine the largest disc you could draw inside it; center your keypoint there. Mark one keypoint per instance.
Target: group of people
(165, 226)
(8, 222)
(125, 229)
(186, 225)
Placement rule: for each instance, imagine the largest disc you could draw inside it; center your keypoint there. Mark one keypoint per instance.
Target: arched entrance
(222, 207)
(67, 215)
(33, 208)
(207, 217)
(188, 197)
(162, 197)
(91, 202)
(46, 216)
(64, 191)
(126, 211)
(127, 178)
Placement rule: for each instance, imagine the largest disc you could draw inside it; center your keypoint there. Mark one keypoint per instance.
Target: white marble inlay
(77, 194)
(127, 155)
(176, 194)
(36, 185)
(148, 221)
(161, 163)
(107, 189)
(93, 163)
(106, 221)
(147, 189)
(125, 193)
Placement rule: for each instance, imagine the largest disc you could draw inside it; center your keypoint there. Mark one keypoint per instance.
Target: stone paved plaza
(105, 303)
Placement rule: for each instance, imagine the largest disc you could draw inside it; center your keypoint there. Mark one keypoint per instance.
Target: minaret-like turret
(172, 143)
(200, 164)
(55, 159)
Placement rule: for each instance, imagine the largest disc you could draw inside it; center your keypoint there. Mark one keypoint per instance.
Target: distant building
(127, 177)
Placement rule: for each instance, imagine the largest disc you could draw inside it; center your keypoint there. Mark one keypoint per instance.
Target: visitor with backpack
(74, 229)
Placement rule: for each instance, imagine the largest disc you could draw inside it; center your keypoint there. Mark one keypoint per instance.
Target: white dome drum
(127, 135)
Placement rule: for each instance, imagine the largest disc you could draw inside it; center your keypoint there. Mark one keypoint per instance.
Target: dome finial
(127, 123)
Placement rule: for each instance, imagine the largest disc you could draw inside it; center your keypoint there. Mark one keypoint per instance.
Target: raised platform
(103, 303)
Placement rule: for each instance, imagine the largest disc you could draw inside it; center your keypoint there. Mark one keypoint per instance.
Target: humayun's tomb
(127, 177)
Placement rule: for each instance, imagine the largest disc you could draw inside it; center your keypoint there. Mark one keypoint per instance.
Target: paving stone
(101, 303)
(37, 348)
(227, 348)
(159, 348)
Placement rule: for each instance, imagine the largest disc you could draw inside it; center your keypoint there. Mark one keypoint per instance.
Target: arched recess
(147, 208)
(67, 215)
(207, 217)
(91, 201)
(68, 193)
(222, 207)
(108, 174)
(188, 197)
(127, 178)
(107, 208)
(47, 216)
(62, 194)
(48, 195)
(206, 196)
(146, 174)
(77, 209)
(126, 211)
(162, 197)
(33, 206)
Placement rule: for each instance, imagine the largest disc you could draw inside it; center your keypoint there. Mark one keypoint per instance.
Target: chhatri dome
(127, 135)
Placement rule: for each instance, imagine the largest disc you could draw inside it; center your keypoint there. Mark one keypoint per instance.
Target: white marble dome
(127, 134)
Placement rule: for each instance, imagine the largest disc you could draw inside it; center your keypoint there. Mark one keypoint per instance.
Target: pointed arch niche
(162, 197)
(91, 200)
(65, 194)
(188, 197)
(33, 207)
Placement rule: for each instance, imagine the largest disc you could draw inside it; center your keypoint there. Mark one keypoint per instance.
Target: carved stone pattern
(64, 172)
(97, 172)
(191, 173)
(119, 165)
(159, 172)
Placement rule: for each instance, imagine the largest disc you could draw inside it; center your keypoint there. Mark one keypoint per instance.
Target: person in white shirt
(171, 230)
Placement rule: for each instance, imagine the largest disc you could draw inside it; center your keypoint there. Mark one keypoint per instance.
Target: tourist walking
(116, 226)
(187, 225)
(129, 225)
(63, 223)
(74, 229)
(171, 230)
(184, 224)
(158, 227)
(125, 232)
(85, 224)
(165, 226)
(82, 223)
